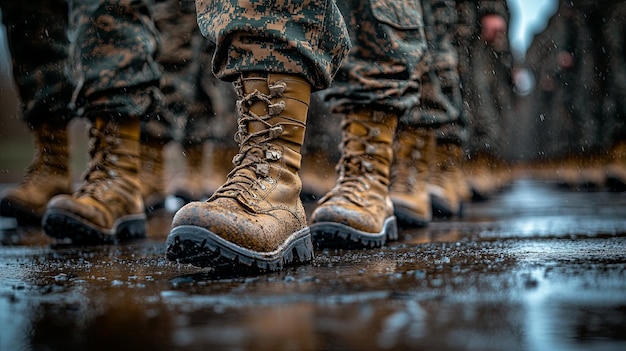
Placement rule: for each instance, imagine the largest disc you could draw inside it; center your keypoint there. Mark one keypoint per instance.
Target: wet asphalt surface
(533, 268)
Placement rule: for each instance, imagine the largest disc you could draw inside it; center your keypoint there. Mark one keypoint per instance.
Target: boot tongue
(280, 103)
(253, 162)
(359, 134)
(273, 119)
(366, 145)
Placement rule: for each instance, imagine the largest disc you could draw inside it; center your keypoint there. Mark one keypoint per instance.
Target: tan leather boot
(410, 172)
(48, 175)
(447, 183)
(255, 219)
(108, 206)
(152, 176)
(616, 168)
(358, 211)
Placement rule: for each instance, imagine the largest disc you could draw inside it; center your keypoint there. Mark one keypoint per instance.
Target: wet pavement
(534, 268)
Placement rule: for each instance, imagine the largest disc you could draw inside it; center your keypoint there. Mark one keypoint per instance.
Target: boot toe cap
(261, 232)
(351, 216)
(94, 215)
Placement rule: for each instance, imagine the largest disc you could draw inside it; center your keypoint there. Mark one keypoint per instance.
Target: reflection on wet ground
(534, 268)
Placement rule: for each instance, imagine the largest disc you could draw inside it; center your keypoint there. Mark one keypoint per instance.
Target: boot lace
(99, 180)
(46, 161)
(252, 163)
(446, 168)
(36, 170)
(355, 167)
(404, 172)
(403, 175)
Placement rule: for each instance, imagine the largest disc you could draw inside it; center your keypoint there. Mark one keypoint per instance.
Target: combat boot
(151, 174)
(48, 175)
(410, 171)
(358, 212)
(256, 218)
(108, 206)
(616, 168)
(447, 185)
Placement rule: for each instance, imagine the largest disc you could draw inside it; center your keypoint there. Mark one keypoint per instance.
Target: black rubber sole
(441, 208)
(154, 208)
(340, 236)
(407, 218)
(65, 225)
(202, 248)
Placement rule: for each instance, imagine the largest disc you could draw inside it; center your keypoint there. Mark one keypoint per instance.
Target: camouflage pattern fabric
(307, 37)
(198, 106)
(37, 37)
(114, 66)
(383, 69)
(92, 57)
(441, 99)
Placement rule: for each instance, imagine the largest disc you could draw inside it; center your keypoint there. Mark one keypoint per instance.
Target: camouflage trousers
(197, 106)
(383, 69)
(308, 38)
(313, 38)
(73, 58)
(441, 101)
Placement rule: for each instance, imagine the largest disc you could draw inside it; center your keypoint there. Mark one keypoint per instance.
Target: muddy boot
(151, 176)
(256, 219)
(48, 175)
(108, 206)
(447, 184)
(616, 168)
(189, 186)
(410, 171)
(358, 212)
